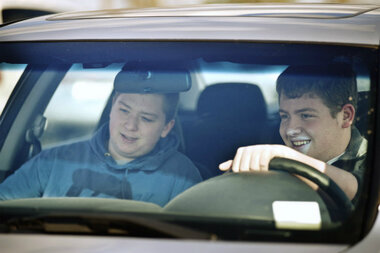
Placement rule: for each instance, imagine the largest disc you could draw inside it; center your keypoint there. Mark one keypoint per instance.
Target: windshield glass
(269, 140)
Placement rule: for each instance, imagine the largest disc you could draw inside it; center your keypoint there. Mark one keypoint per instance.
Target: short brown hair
(335, 84)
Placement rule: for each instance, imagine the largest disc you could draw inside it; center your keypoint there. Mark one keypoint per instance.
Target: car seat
(229, 115)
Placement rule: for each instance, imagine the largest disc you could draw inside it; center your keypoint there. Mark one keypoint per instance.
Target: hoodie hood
(149, 162)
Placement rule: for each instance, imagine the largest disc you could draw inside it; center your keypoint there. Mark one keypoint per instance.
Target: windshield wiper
(130, 225)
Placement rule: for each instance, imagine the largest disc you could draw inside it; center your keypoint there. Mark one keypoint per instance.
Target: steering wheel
(324, 182)
(252, 194)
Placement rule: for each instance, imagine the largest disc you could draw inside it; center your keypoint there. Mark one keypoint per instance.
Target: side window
(76, 106)
(9, 75)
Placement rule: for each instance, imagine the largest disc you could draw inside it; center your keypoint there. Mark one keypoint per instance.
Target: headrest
(238, 102)
(152, 80)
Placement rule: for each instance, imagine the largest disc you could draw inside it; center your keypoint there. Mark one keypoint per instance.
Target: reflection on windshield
(252, 138)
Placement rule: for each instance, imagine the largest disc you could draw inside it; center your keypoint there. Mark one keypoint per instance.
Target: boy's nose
(293, 131)
(293, 128)
(131, 123)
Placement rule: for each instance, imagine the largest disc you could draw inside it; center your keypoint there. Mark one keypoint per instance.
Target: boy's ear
(167, 128)
(348, 115)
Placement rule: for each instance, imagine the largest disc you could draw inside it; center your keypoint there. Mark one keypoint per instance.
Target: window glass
(75, 109)
(133, 146)
(9, 74)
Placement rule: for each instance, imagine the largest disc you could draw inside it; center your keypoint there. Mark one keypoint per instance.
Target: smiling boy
(317, 111)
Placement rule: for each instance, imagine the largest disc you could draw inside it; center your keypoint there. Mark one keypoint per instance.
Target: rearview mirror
(152, 81)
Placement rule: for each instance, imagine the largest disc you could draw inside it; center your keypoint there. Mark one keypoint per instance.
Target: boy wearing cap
(133, 156)
(317, 110)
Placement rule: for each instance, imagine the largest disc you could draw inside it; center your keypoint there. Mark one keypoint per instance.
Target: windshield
(268, 140)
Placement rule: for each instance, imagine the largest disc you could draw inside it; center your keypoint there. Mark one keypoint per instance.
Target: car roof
(317, 23)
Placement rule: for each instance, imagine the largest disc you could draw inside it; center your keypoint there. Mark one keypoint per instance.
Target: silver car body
(330, 24)
(334, 24)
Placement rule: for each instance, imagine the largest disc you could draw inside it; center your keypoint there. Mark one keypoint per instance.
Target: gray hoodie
(85, 169)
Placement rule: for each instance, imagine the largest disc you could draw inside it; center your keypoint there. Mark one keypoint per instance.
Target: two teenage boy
(134, 155)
